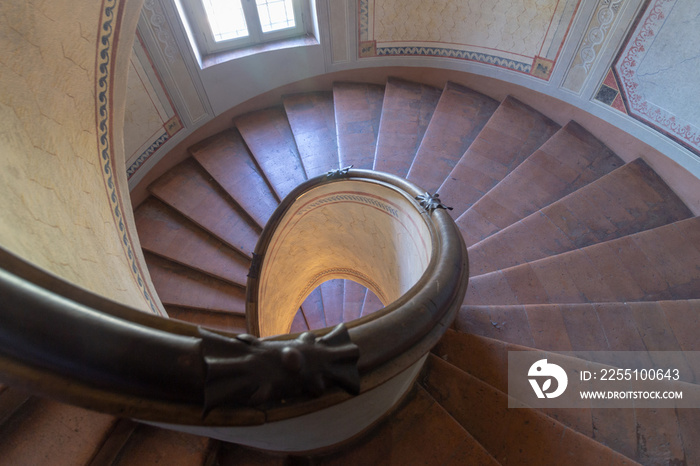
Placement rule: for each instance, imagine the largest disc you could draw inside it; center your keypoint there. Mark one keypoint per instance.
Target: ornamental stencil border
(625, 67)
(539, 65)
(110, 19)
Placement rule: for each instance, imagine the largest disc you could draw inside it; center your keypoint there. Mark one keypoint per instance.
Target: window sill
(222, 57)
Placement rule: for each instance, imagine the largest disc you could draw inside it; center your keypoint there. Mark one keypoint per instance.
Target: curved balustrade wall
(288, 392)
(362, 230)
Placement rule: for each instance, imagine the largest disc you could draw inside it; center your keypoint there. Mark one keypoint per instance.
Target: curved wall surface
(62, 186)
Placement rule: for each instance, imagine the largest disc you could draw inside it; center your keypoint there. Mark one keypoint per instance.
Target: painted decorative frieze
(523, 36)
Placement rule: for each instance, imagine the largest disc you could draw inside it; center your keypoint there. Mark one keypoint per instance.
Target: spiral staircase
(570, 249)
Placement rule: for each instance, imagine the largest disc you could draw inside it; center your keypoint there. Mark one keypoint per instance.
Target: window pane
(226, 19)
(275, 14)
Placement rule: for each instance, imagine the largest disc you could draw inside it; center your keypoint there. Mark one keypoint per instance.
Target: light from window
(275, 14)
(226, 19)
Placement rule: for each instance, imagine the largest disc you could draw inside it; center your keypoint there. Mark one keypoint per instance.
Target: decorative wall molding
(109, 23)
(606, 19)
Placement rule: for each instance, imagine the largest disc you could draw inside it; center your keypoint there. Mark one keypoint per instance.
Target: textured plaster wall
(55, 206)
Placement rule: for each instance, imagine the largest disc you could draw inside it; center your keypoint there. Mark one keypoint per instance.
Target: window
(228, 24)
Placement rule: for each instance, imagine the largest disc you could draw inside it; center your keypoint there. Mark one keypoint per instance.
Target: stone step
(269, 137)
(227, 159)
(419, 432)
(48, 432)
(512, 134)
(165, 232)
(358, 109)
(406, 112)
(459, 116)
(616, 428)
(353, 300)
(311, 117)
(654, 265)
(371, 304)
(628, 200)
(569, 160)
(190, 190)
(150, 445)
(312, 307)
(181, 286)
(332, 293)
(217, 320)
(299, 323)
(511, 435)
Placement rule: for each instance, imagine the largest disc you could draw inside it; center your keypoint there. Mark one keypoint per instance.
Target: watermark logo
(543, 370)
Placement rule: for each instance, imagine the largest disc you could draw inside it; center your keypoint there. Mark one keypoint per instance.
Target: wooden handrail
(67, 343)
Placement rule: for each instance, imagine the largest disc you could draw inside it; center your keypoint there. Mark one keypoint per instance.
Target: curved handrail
(69, 344)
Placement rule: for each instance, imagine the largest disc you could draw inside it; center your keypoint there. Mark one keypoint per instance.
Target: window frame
(204, 37)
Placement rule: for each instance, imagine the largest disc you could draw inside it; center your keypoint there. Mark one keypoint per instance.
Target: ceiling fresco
(521, 35)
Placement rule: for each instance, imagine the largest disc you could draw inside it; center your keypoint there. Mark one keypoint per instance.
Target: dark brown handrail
(64, 342)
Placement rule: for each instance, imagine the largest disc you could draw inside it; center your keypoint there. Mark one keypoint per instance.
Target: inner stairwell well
(570, 249)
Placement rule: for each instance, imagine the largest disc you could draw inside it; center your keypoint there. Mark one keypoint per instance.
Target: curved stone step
(269, 137)
(353, 300)
(180, 286)
(150, 445)
(188, 189)
(227, 159)
(218, 320)
(357, 108)
(628, 200)
(569, 160)
(459, 116)
(406, 112)
(48, 432)
(511, 436)
(371, 304)
(512, 134)
(653, 265)
(663, 430)
(332, 293)
(299, 323)
(163, 231)
(312, 119)
(419, 432)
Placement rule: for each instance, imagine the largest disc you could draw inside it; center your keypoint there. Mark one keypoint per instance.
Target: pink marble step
(420, 431)
(654, 265)
(165, 232)
(632, 326)
(227, 159)
(512, 134)
(312, 307)
(617, 428)
(332, 293)
(627, 200)
(226, 321)
(188, 189)
(512, 436)
(371, 304)
(269, 137)
(406, 112)
(353, 300)
(312, 119)
(299, 323)
(569, 160)
(181, 286)
(43, 432)
(358, 107)
(150, 445)
(460, 115)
